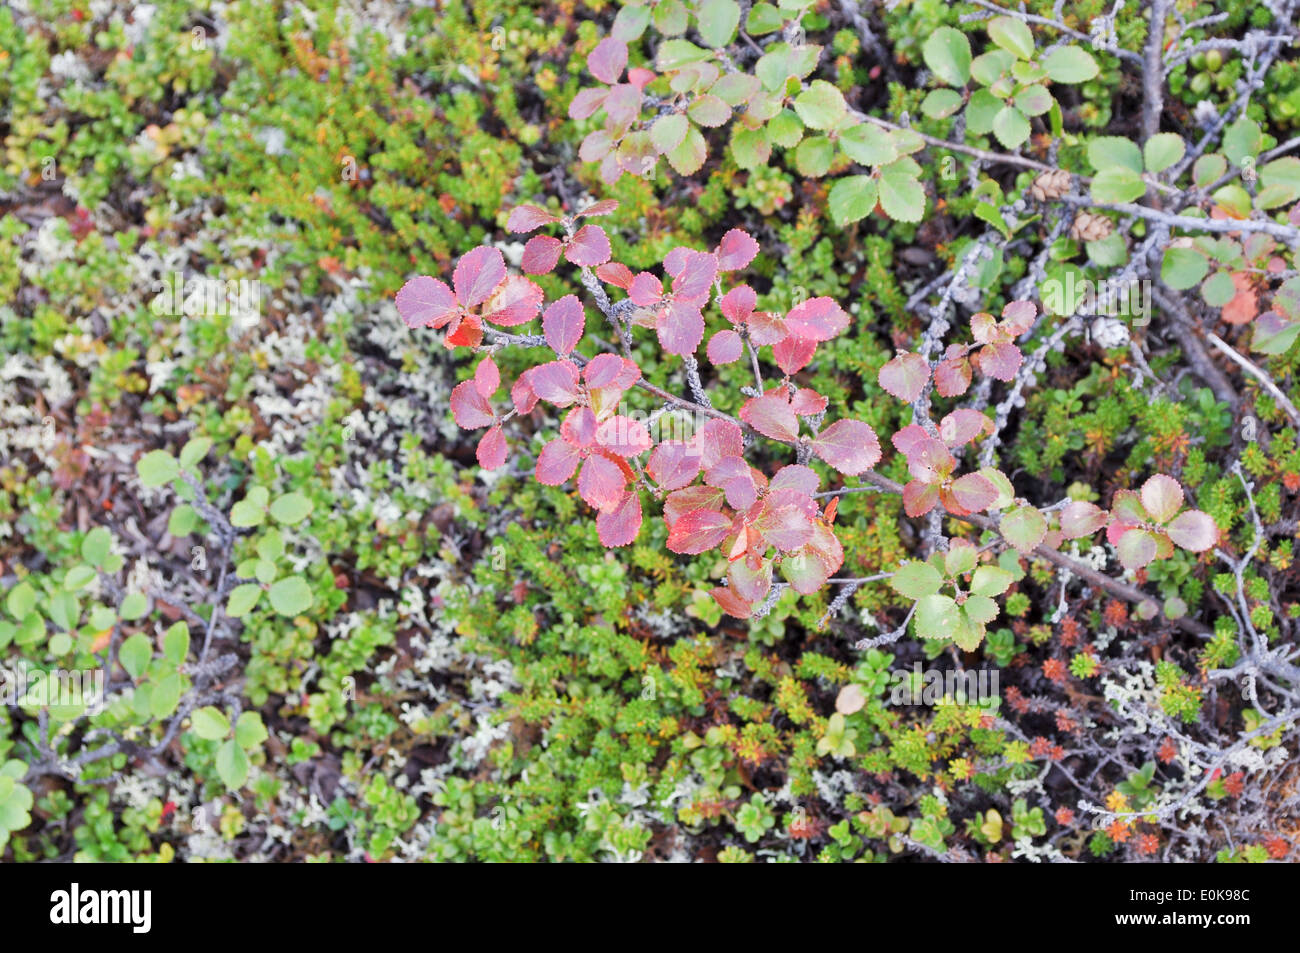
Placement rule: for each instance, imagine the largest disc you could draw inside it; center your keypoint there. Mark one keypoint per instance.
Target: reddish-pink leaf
(929, 460)
(731, 602)
(850, 446)
(795, 477)
(793, 353)
(541, 255)
(725, 347)
(589, 247)
(587, 102)
(491, 450)
(717, 439)
(645, 290)
(905, 376)
(603, 207)
(817, 319)
(1136, 548)
(984, 327)
(692, 498)
(616, 274)
(608, 60)
(602, 370)
(771, 416)
(596, 146)
(698, 532)
(525, 218)
(622, 108)
(425, 302)
(1193, 530)
(693, 280)
(962, 426)
(919, 498)
(579, 427)
(736, 479)
(522, 393)
(556, 462)
(563, 323)
(680, 327)
(1018, 317)
(601, 482)
(623, 435)
(477, 275)
(767, 328)
(1162, 497)
(1080, 519)
(738, 303)
(516, 301)
(786, 527)
(807, 402)
(486, 377)
(750, 582)
(674, 464)
(952, 377)
(736, 250)
(974, 492)
(621, 524)
(470, 408)
(910, 440)
(556, 382)
(1000, 361)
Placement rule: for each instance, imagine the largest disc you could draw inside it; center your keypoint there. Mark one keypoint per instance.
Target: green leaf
(982, 109)
(1034, 100)
(1208, 169)
(990, 581)
(936, 617)
(986, 212)
(947, 53)
(249, 730)
(96, 546)
(916, 580)
(134, 606)
(1070, 64)
(194, 451)
(246, 513)
(1115, 152)
(671, 17)
(1011, 127)
(981, 610)
(941, 103)
(291, 596)
(668, 131)
(1183, 268)
(209, 723)
(21, 600)
(232, 764)
(1162, 150)
(852, 198)
(78, 577)
(750, 147)
(176, 643)
(813, 156)
(901, 195)
(64, 610)
(157, 467)
(868, 144)
(1024, 528)
(165, 695)
(1012, 35)
(1242, 140)
(242, 599)
(764, 18)
(1281, 178)
(718, 20)
(1218, 289)
(991, 67)
(135, 654)
(182, 521)
(821, 105)
(784, 129)
(686, 159)
(1115, 186)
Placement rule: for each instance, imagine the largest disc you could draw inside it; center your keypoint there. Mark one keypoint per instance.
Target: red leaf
(602, 370)
(516, 301)
(425, 302)
(817, 319)
(717, 439)
(579, 428)
(469, 408)
(477, 275)
(645, 290)
(850, 446)
(608, 60)
(589, 247)
(624, 436)
(731, 603)
(466, 330)
(736, 250)
(807, 402)
(1080, 519)
(603, 207)
(766, 328)
(491, 450)
(786, 528)
(725, 347)
(1018, 317)
(692, 498)
(771, 416)
(952, 377)
(673, 465)
(486, 377)
(698, 532)
(556, 462)
(525, 218)
(736, 479)
(738, 303)
(522, 393)
(556, 382)
(910, 439)
(620, 525)
(541, 255)
(680, 328)
(974, 492)
(1193, 530)
(750, 582)
(905, 376)
(919, 498)
(795, 477)
(587, 102)
(563, 324)
(601, 482)
(1244, 305)
(1000, 361)
(793, 353)
(962, 426)
(616, 274)
(693, 281)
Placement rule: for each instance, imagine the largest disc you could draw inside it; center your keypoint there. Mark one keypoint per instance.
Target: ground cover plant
(677, 430)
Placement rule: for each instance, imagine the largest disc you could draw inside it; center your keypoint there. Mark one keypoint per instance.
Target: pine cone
(1050, 185)
(1088, 227)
